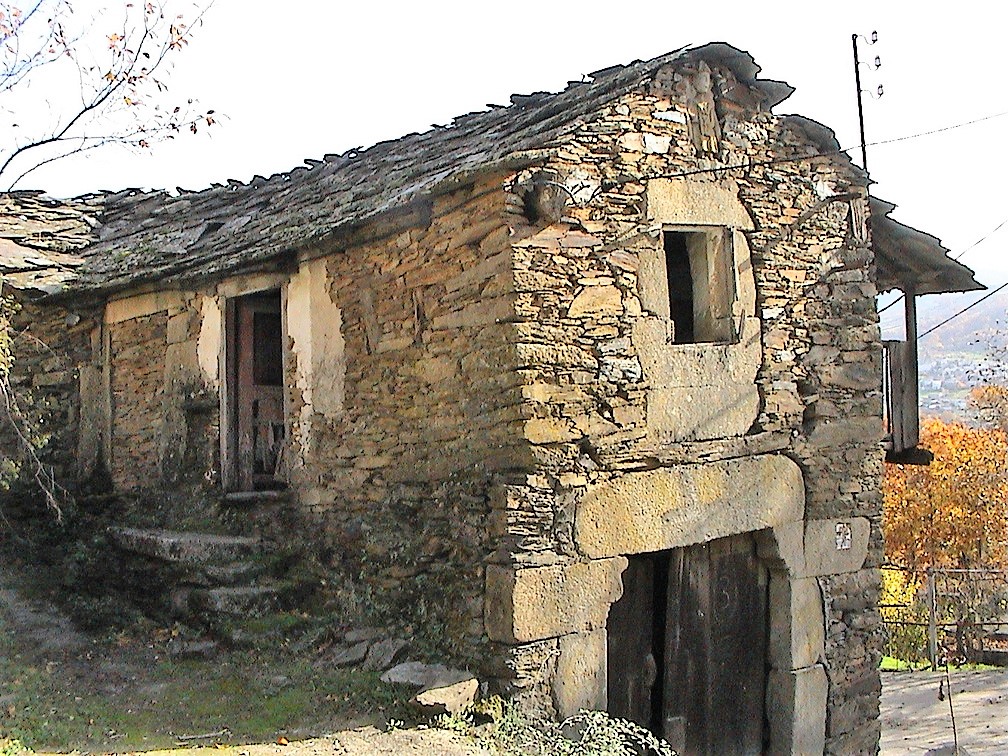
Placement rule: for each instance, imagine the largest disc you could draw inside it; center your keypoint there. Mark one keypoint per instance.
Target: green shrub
(12, 747)
(504, 726)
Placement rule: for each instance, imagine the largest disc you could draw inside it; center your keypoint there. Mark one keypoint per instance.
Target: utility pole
(857, 84)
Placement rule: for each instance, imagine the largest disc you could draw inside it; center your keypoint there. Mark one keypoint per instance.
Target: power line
(938, 130)
(982, 239)
(949, 319)
(828, 153)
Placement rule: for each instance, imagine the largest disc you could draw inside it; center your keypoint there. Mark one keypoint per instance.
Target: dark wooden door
(705, 626)
(259, 426)
(632, 658)
(715, 648)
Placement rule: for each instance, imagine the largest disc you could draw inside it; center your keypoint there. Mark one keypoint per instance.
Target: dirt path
(915, 720)
(40, 630)
(363, 742)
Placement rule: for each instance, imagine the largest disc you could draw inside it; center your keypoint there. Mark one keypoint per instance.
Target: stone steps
(187, 548)
(236, 601)
(207, 579)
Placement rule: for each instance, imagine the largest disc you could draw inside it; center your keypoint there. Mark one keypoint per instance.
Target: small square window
(701, 285)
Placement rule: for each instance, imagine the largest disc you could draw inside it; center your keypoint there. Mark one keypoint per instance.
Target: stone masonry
(619, 417)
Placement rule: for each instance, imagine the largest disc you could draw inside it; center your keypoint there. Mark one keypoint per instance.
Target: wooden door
(701, 614)
(258, 390)
(715, 648)
(632, 659)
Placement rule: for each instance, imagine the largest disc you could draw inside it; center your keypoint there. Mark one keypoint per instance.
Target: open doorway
(687, 647)
(255, 392)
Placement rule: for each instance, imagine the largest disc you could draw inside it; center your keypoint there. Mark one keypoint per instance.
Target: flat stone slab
(240, 600)
(351, 655)
(448, 699)
(233, 573)
(184, 547)
(421, 675)
(256, 498)
(383, 653)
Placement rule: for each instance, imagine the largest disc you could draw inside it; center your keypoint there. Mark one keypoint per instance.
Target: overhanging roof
(909, 259)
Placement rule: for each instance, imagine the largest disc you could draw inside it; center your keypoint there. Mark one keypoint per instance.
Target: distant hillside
(965, 352)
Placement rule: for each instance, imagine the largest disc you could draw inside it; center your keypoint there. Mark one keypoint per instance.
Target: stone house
(591, 384)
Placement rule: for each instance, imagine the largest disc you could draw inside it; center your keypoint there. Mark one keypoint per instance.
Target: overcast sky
(299, 79)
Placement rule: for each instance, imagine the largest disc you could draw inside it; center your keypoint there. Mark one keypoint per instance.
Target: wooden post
(932, 624)
(911, 397)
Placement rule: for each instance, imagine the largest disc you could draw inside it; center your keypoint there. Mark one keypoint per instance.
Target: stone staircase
(211, 581)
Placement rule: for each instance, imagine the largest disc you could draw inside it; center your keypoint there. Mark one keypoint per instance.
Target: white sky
(302, 78)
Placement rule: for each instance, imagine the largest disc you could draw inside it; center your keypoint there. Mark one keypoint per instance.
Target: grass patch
(891, 664)
(247, 697)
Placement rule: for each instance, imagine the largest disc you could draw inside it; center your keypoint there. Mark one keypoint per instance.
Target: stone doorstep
(249, 499)
(185, 547)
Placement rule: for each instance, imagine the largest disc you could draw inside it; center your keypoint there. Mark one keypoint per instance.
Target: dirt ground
(120, 694)
(63, 691)
(365, 741)
(916, 718)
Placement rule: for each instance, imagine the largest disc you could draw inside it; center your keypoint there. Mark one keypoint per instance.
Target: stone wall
(49, 344)
(613, 406)
(157, 407)
(137, 385)
(398, 456)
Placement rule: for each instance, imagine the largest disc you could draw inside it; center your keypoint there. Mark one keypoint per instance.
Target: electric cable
(828, 153)
(971, 246)
(949, 319)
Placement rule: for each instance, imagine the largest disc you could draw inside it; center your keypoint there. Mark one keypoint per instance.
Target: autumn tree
(951, 513)
(990, 402)
(70, 84)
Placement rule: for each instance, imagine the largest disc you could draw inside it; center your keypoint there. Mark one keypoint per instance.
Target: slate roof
(153, 236)
(41, 239)
(147, 237)
(906, 256)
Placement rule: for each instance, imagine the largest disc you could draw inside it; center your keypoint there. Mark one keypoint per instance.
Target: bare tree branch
(121, 88)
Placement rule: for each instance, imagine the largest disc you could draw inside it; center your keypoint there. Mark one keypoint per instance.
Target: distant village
(945, 383)
(959, 357)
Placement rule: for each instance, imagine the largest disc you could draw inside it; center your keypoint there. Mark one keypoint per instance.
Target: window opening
(680, 287)
(700, 276)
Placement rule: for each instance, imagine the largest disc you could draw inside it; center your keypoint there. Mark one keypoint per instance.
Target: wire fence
(934, 615)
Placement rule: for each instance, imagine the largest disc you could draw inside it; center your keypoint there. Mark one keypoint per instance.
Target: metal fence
(956, 614)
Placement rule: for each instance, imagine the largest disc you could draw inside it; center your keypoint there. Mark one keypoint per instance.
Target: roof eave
(913, 260)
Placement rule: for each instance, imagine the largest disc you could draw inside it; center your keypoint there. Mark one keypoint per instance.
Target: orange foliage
(990, 401)
(951, 513)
